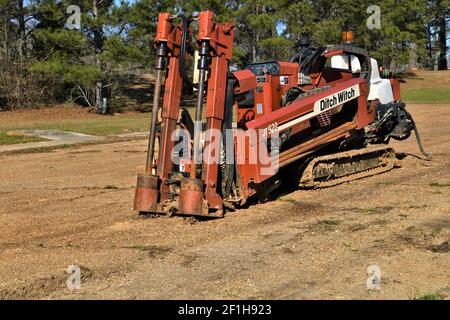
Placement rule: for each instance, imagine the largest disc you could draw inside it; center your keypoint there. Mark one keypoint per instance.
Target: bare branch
(84, 96)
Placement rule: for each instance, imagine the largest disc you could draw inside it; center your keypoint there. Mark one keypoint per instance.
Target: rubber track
(387, 162)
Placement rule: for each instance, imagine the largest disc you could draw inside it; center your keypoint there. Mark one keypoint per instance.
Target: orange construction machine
(318, 120)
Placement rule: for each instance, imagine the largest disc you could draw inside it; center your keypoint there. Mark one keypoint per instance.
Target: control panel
(270, 81)
(260, 69)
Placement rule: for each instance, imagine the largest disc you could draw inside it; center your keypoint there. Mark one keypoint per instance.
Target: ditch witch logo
(336, 99)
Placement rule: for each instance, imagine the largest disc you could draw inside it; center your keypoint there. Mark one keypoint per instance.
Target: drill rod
(198, 110)
(155, 107)
(151, 141)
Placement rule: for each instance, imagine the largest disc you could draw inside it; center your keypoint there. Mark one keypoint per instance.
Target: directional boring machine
(320, 119)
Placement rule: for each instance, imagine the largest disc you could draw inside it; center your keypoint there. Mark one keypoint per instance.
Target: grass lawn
(418, 87)
(428, 296)
(426, 95)
(426, 87)
(83, 123)
(102, 126)
(6, 138)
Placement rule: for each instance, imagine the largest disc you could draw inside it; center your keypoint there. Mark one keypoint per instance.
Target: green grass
(328, 222)
(426, 87)
(14, 139)
(71, 245)
(440, 184)
(379, 210)
(436, 231)
(426, 95)
(428, 296)
(101, 126)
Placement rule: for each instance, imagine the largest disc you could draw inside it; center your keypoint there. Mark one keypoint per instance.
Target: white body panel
(379, 88)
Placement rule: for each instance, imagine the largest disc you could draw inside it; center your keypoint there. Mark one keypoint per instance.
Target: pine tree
(17, 86)
(42, 57)
(87, 60)
(439, 16)
(401, 25)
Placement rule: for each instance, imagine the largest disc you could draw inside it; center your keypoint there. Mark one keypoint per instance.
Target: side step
(331, 170)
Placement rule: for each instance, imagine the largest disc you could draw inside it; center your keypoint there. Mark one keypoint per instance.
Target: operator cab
(261, 87)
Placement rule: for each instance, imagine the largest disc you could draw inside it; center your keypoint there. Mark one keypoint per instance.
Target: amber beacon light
(347, 36)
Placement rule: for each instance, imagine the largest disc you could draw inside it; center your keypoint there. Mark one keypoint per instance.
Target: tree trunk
(255, 54)
(429, 47)
(98, 46)
(22, 30)
(255, 49)
(413, 64)
(5, 41)
(442, 62)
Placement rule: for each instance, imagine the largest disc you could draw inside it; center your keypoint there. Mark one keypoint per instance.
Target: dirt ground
(74, 207)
